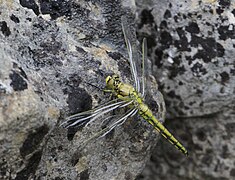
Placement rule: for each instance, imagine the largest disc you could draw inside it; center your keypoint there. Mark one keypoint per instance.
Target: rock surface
(192, 44)
(54, 57)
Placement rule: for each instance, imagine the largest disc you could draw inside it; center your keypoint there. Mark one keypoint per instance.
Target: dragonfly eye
(108, 78)
(115, 77)
(110, 82)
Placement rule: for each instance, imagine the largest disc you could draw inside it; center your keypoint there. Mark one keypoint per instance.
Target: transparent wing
(138, 68)
(87, 117)
(119, 121)
(130, 40)
(144, 67)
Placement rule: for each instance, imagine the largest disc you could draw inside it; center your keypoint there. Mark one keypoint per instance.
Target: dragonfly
(126, 95)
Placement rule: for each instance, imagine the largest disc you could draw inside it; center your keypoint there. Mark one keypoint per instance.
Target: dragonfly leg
(108, 91)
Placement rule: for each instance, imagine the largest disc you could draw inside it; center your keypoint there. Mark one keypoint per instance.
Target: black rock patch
(56, 8)
(210, 48)
(114, 55)
(233, 11)
(224, 77)
(14, 18)
(30, 4)
(78, 101)
(163, 25)
(159, 57)
(166, 39)
(176, 68)
(167, 14)
(172, 94)
(33, 140)
(31, 166)
(219, 10)
(81, 50)
(226, 33)
(5, 29)
(201, 134)
(198, 69)
(224, 3)
(17, 82)
(182, 44)
(146, 17)
(232, 172)
(192, 28)
(22, 72)
(84, 175)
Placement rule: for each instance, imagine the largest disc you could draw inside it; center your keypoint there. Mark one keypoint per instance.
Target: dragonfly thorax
(119, 88)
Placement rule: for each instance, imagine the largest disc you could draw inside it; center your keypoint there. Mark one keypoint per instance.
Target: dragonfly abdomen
(147, 114)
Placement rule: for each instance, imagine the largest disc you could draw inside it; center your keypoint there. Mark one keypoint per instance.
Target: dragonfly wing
(91, 115)
(99, 108)
(130, 40)
(119, 121)
(120, 104)
(144, 67)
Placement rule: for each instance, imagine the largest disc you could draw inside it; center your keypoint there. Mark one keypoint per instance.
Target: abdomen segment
(147, 114)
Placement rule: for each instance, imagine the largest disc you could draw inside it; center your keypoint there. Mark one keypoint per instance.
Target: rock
(192, 48)
(55, 56)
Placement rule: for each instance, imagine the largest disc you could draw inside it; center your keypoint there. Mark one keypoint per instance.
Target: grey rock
(55, 56)
(192, 48)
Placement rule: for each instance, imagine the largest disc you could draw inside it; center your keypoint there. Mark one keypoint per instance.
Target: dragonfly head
(112, 81)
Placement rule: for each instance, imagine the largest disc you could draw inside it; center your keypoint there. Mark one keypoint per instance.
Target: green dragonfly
(125, 95)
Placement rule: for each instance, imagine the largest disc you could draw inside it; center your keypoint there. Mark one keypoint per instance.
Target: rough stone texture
(192, 45)
(54, 57)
